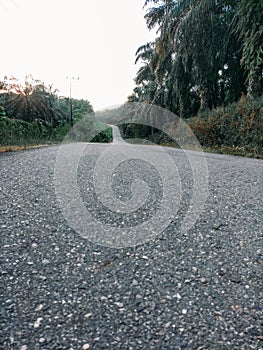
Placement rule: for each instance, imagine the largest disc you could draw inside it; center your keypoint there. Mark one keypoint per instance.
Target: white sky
(93, 40)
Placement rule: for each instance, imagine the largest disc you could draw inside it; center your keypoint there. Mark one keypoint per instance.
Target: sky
(94, 41)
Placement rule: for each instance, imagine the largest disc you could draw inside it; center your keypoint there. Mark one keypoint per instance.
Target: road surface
(200, 289)
(116, 134)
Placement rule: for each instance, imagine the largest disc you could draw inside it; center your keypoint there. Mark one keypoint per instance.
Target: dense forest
(207, 54)
(206, 66)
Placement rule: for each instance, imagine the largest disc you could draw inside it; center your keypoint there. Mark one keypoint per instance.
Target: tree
(31, 101)
(80, 108)
(203, 54)
(249, 28)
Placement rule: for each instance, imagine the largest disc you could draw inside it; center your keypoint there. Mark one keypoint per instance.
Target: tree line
(33, 100)
(207, 54)
(206, 66)
(33, 113)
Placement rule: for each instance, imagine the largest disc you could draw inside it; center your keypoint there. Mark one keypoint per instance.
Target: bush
(238, 126)
(14, 131)
(89, 130)
(102, 132)
(18, 132)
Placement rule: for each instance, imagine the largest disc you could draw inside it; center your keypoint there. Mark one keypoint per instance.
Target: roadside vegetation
(233, 129)
(236, 129)
(206, 66)
(34, 114)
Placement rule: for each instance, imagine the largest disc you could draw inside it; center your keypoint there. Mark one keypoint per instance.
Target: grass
(13, 148)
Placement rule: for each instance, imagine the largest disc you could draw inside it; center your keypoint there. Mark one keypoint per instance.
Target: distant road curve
(116, 134)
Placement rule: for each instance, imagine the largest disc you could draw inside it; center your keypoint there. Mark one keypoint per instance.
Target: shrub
(18, 132)
(238, 126)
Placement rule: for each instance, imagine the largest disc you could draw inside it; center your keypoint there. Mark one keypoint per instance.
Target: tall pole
(70, 99)
(70, 104)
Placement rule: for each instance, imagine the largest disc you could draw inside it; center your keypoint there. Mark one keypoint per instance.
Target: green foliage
(89, 130)
(103, 132)
(33, 100)
(249, 28)
(2, 111)
(19, 132)
(206, 54)
(235, 128)
(132, 121)
(80, 108)
(145, 134)
(33, 113)
(112, 116)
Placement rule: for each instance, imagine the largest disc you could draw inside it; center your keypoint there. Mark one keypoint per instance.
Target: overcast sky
(93, 40)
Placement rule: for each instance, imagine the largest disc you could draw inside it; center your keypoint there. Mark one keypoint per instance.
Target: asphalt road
(177, 289)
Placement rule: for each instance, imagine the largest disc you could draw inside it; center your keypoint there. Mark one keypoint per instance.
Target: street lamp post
(70, 98)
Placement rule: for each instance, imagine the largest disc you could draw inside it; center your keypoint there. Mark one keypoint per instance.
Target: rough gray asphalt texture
(202, 290)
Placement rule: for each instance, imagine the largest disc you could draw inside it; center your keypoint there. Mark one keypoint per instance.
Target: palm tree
(31, 101)
(249, 28)
(195, 54)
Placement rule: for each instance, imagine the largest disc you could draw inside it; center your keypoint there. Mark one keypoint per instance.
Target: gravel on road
(197, 290)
